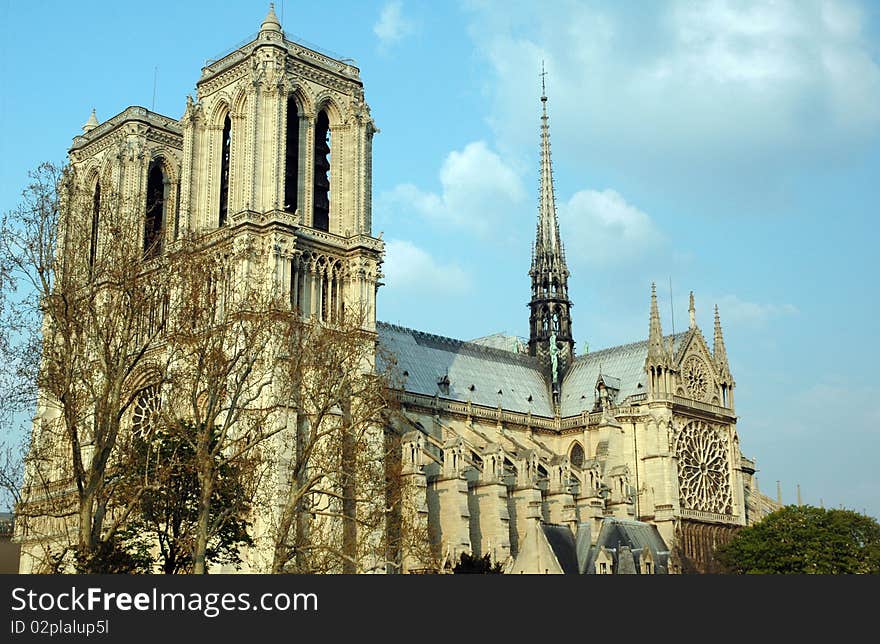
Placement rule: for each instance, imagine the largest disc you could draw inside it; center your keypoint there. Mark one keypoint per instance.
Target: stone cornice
(171, 127)
(338, 74)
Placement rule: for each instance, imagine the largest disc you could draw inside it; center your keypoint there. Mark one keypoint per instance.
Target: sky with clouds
(729, 148)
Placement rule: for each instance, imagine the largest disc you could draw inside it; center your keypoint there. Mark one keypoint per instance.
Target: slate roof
(634, 534)
(563, 544)
(625, 363)
(488, 368)
(426, 358)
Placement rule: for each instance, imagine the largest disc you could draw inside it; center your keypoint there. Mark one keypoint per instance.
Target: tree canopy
(470, 564)
(805, 540)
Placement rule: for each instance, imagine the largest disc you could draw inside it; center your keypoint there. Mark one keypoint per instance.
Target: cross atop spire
(543, 88)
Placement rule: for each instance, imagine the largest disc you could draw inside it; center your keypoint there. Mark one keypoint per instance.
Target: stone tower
(278, 147)
(550, 309)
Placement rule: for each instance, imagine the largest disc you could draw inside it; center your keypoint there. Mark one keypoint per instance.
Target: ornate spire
(719, 352)
(692, 312)
(656, 350)
(550, 319)
(547, 240)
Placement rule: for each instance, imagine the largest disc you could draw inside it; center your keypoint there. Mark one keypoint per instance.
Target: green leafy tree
(805, 540)
(169, 503)
(470, 564)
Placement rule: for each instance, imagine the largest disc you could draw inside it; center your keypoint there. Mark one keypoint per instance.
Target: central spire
(550, 309)
(547, 238)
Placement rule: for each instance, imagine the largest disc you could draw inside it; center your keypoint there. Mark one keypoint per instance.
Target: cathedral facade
(625, 459)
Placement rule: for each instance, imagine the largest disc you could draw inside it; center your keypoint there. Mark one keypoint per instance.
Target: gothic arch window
(576, 455)
(225, 148)
(96, 212)
(154, 220)
(291, 157)
(321, 210)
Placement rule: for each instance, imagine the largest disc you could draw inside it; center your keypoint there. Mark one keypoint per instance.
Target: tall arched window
(154, 221)
(576, 456)
(291, 157)
(321, 213)
(224, 169)
(96, 212)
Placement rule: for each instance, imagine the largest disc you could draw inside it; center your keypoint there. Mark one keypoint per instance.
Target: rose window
(703, 471)
(696, 378)
(145, 416)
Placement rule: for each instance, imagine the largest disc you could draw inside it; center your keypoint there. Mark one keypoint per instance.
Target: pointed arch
(576, 455)
(238, 104)
(155, 207)
(92, 205)
(220, 110)
(322, 164)
(324, 102)
(292, 140)
(225, 158)
(96, 220)
(304, 99)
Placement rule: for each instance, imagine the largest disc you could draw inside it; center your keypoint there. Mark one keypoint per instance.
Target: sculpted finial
(271, 22)
(692, 312)
(92, 123)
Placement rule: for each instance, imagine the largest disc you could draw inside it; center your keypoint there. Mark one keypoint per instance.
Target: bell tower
(550, 336)
(278, 154)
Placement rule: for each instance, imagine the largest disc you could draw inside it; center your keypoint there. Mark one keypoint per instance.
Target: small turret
(692, 313)
(719, 354)
(658, 361)
(271, 22)
(91, 124)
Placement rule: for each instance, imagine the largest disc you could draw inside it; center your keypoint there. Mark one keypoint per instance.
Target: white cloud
(737, 312)
(602, 229)
(478, 190)
(686, 84)
(408, 267)
(392, 26)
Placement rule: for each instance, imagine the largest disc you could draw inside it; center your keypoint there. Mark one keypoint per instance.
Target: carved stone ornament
(703, 468)
(145, 416)
(696, 378)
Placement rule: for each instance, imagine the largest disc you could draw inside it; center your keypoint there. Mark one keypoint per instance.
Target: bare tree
(100, 311)
(222, 338)
(331, 458)
(190, 348)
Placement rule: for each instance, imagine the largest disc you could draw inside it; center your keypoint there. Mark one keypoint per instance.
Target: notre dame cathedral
(621, 460)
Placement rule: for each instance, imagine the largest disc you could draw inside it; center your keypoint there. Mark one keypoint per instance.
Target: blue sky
(731, 147)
